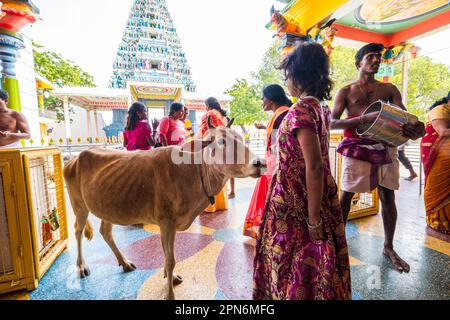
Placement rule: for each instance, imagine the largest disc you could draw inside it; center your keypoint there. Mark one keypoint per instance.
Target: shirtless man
(13, 125)
(368, 164)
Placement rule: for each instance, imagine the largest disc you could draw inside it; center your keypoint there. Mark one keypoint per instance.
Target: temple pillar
(10, 44)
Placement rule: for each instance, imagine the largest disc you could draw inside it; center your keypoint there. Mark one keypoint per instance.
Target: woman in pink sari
(275, 100)
(137, 134)
(171, 131)
(301, 251)
(435, 150)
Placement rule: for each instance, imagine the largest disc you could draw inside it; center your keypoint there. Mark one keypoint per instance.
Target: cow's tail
(88, 231)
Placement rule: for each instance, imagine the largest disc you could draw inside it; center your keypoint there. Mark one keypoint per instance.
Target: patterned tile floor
(215, 259)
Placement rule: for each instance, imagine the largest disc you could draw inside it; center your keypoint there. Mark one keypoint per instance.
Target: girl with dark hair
(217, 117)
(274, 100)
(171, 129)
(137, 133)
(435, 150)
(301, 250)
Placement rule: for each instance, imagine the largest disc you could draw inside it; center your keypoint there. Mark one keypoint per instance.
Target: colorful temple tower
(150, 52)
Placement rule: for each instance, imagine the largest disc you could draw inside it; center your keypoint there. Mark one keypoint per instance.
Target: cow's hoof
(128, 266)
(170, 296)
(83, 271)
(177, 280)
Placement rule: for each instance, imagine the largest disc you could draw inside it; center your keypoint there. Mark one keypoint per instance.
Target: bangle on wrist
(316, 226)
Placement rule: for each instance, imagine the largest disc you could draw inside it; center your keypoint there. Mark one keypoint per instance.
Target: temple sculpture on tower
(150, 52)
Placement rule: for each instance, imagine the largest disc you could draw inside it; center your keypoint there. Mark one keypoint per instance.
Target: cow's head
(224, 149)
(228, 153)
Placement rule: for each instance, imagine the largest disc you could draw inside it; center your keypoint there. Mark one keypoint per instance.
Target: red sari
(257, 203)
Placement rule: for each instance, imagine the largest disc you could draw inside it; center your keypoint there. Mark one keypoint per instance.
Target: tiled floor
(215, 259)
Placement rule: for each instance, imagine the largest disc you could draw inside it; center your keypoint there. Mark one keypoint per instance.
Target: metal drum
(387, 127)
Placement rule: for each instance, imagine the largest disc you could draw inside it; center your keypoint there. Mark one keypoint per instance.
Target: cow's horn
(230, 123)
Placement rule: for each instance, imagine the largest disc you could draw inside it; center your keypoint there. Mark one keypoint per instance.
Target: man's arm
(22, 126)
(340, 103)
(396, 97)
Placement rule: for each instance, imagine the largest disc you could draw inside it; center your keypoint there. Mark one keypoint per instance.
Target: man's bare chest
(7, 122)
(359, 98)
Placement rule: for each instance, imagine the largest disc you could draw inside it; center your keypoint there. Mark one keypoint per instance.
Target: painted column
(67, 117)
(14, 15)
(88, 122)
(10, 44)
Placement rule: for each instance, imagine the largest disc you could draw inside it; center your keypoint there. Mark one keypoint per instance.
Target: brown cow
(149, 187)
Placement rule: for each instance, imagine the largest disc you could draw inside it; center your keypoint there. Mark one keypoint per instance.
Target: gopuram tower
(150, 61)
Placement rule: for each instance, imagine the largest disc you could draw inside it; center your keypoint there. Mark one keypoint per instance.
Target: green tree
(269, 72)
(246, 96)
(60, 72)
(245, 107)
(427, 82)
(342, 68)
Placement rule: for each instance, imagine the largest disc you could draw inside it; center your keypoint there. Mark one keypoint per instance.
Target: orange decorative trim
(423, 27)
(360, 35)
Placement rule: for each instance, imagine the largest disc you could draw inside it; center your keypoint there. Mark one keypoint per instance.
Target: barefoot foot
(411, 177)
(399, 264)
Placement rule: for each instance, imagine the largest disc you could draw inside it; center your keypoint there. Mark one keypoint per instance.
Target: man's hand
(413, 131)
(260, 126)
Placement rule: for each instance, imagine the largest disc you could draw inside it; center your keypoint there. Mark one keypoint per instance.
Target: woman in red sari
(276, 101)
(435, 150)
